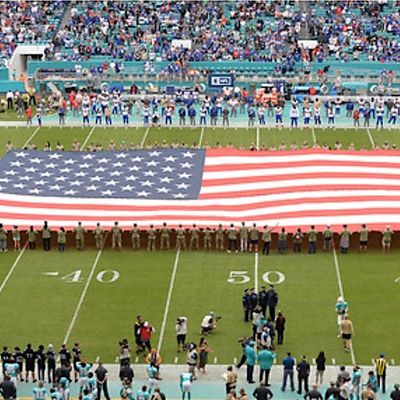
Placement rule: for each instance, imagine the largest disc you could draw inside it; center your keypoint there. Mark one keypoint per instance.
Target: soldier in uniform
(3, 239)
(151, 238)
(363, 238)
(194, 238)
(116, 238)
(165, 237)
(328, 236)
(135, 233)
(243, 234)
(254, 237)
(219, 237)
(32, 238)
(80, 236)
(312, 240)
(98, 236)
(207, 232)
(180, 238)
(232, 239)
(267, 238)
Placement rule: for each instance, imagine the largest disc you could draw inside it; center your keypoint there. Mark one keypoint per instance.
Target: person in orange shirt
(28, 113)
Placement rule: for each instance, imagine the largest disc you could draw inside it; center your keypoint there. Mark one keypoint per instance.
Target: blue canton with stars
(168, 174)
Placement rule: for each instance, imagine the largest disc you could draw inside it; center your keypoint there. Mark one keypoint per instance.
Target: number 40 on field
(106, 276)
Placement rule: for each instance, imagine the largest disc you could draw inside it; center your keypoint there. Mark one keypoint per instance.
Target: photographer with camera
(209, 323)
(181, 332)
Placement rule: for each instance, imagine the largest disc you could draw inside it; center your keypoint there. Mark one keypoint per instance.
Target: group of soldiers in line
(243, 239)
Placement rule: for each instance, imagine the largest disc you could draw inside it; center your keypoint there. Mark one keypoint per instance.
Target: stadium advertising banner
(220, 80)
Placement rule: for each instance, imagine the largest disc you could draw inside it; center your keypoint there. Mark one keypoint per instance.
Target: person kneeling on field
(209, 323)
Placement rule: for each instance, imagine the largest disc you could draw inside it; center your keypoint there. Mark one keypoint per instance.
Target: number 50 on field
(270, 277)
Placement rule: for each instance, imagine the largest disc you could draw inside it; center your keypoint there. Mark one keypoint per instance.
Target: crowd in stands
(248, 30)
(25, 22)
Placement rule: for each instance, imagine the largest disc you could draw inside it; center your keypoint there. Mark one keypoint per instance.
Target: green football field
(94, 297)
(197, 137)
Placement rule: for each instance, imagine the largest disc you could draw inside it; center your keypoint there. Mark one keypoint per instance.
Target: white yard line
(258, 138)
(168, 302)
(13, 267)
(144, 137)
(85, 142)
(256, 271)
(314, 138)
(85, 289)
(31, 137)
(201, 137)
(370, 138)
(341, 291)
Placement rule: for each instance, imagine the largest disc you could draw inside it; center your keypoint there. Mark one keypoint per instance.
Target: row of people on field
(243, 238)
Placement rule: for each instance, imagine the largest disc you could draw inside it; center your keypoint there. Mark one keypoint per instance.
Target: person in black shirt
(272, 301)
(332, 390)
(76, 351)
(30, 357)
(101, 379)
(19, 359)
(136, 331)
(395, 395)
(51, 364)
(5, 358)
(8, 389)
(262, 299)
(65, 356)
(41, 362)
(126, 374)
(303, 373)
(246, 303)
(262, 392)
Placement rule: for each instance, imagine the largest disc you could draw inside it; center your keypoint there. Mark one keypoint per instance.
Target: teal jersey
(39, 393)
(87, 397)
(140, 395)
(356, 377)
(151, 372)
(341, 308)
(126, 393)
(83, 370)
(12, 369)
(185, 377)
(92, 384)
(64, 383)
(55, 395)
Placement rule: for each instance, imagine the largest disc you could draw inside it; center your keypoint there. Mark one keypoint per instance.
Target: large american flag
(207, 187)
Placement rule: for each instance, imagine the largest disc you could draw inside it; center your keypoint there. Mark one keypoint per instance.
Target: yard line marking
(116, 359)
(258, 138)
(31, 137)
(51, 273)
(313, 360)
(392, 361)
(176, 360)
(171, 288)
(85, 142)
(333, 361)
(372, 361)
(235, 360)
(13, 267)
(370, 138)
(215, 360)
(201, 137)
(97, 359)
(339, 279)
(136, 359)
(144, 136)
(85, 289)
(314, 138)
(256, 271)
